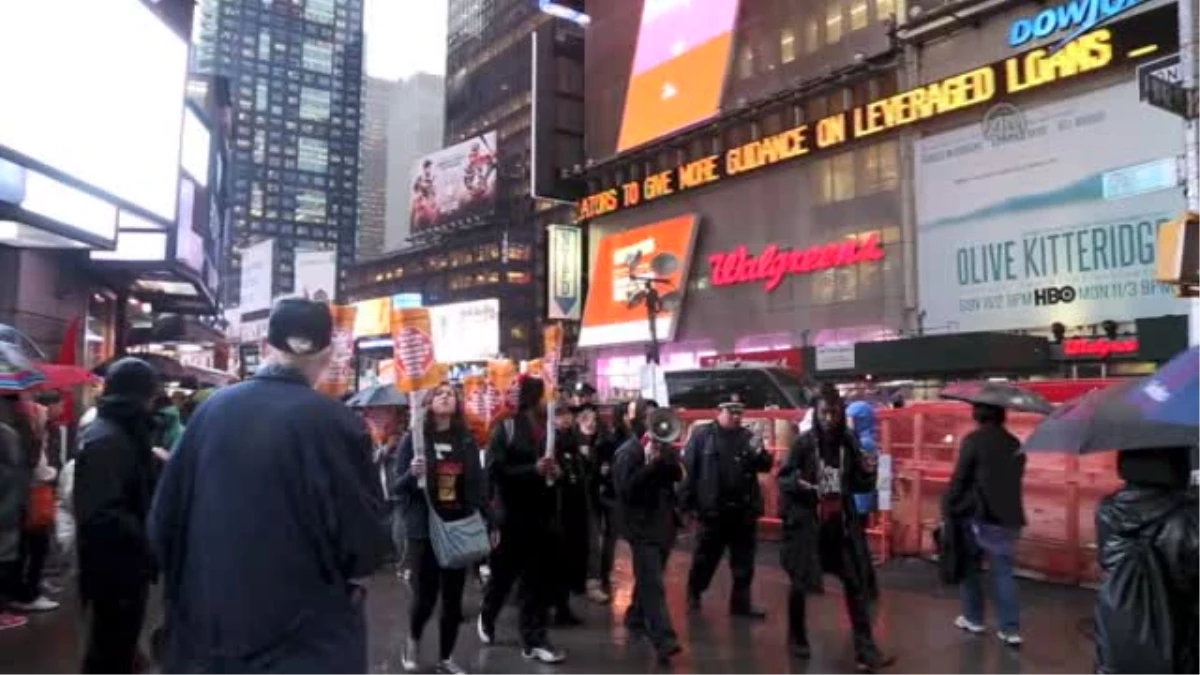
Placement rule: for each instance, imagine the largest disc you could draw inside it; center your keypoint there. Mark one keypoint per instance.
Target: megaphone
(664, 425)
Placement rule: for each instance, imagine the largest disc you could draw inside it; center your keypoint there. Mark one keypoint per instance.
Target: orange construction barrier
(1061, 491)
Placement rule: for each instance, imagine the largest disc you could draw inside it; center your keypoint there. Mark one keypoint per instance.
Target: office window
(317, 56)
(884, 8)
(314, 104)
(256, 200)
(881, 167)
(264, 46)
(833, 22)
(746, 62)
(312, 155)
(824, 287)
(812, 34)
(787, 45)
(858, 14)
(260, 146)
(320, 11)
(261, 90)
(841, 172)
(310, 206)
(847, 283)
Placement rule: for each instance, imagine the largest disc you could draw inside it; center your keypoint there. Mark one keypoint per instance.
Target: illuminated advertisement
(454, 184)
(1054, 214)
(679, 67)
(1139, 38)
(626, 262)
(1074, 17)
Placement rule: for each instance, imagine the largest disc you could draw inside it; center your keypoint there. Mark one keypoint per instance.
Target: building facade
(373, 178)
(856, 186)
(416, 109)
(295, 71)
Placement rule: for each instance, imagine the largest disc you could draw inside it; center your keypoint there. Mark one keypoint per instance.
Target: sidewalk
(914, 624)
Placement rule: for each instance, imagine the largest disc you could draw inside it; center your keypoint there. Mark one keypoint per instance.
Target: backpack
(1134, 618)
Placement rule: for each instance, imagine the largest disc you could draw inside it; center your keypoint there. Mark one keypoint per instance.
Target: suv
(757, 386)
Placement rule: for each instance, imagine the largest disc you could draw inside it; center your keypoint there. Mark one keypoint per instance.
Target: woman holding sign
(450, 476)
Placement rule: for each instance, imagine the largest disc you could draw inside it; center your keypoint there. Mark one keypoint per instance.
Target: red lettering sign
(1099, 348)
(775, 262)
(783, 358)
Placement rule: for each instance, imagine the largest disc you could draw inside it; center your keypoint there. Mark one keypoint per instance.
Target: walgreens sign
(775, 263)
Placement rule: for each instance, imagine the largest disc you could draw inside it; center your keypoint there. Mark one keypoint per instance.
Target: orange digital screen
(624, 262)
(679, 67)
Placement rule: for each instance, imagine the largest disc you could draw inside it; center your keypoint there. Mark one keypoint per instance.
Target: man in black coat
(645, 478)
(722, 464)
(114, 486)
(821, 531)
(268, 517)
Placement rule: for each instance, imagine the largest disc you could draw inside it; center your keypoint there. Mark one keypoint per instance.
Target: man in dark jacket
(822, 532)
(722, 466)
(268, 516)
(114, 485)
(984, 501)
(645, 478)
(523, 477)
(1155, 509)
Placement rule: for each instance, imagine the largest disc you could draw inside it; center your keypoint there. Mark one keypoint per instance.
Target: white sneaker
(408, 657)
(449, 667)
(1010, 639)
(485, 636)
(41, 604)
(966, 624)
(545, 653)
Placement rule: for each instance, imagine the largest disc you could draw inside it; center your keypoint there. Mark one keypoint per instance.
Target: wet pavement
(914, 624)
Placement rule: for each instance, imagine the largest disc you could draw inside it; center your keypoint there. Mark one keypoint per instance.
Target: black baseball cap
(300, 326)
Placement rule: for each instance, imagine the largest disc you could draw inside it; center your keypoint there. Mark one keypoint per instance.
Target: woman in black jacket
(821, 533)
(447, 476)
(984, 502)
(598, 447)
(570, 531)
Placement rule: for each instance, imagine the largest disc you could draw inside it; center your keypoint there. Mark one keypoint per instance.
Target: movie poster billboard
(454, 184)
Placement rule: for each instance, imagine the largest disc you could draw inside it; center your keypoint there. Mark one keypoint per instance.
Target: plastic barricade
(1060, 491)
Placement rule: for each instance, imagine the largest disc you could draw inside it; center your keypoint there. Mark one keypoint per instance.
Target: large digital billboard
(454, 184)
(100, 87)
(679, 66)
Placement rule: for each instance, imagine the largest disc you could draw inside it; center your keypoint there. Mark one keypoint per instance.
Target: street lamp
(661, 267)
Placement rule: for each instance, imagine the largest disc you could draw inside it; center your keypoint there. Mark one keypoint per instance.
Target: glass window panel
(812, 34)
(847, 283)
(260, 146)
(317, 56)
(884, 8)
(746, 62)
(310, 206)
(264, 45)
(787, 46)
(842, 171)
(858, 14)
(833, 22)
(312, 155)
(320, 11)
(824, 285)
(314, 104)
(261, 90)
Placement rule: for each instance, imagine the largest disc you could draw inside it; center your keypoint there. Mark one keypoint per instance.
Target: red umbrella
(61, 376)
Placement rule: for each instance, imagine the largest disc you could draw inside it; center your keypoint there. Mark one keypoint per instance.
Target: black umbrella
(999, 394)
(1116, 418)
(379, 395)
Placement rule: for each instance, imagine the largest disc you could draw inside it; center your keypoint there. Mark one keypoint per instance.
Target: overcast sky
(405, 37)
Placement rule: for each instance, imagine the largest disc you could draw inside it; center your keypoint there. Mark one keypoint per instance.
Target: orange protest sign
(413, 361)
(552, 338)
(337, 379)
(478, 403)
(502, 377)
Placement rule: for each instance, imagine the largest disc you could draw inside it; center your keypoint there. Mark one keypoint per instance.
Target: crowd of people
(263, 513)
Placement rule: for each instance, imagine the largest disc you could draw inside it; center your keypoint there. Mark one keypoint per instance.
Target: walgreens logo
(775, 263)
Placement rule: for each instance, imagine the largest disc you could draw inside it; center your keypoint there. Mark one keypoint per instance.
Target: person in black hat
(114, 485)
(598, 447)
(583, 394)
(722, 463)
(571, 517)
(268, 516)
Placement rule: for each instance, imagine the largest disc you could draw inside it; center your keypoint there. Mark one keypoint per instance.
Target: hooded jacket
(866, 429)
(268, 512)
(1122, 520)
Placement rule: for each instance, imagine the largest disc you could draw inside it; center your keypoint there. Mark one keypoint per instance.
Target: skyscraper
(373, 179)
(415, 115)
(295, 71)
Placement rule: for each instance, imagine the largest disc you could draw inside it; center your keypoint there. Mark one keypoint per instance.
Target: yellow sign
(1027, 71)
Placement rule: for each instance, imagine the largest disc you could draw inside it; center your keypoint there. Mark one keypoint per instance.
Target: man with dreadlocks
(821, 534)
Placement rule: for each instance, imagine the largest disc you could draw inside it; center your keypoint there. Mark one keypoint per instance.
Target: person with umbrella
(984, 503)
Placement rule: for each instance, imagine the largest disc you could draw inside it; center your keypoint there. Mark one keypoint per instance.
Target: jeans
(34, 548)
(997, 545)
(648, 608)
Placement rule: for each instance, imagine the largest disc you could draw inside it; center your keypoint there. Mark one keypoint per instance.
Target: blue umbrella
(17, 372)
(379, 395)
(1159, 411)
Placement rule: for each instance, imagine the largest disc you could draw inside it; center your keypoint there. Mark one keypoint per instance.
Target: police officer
(722, 463)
